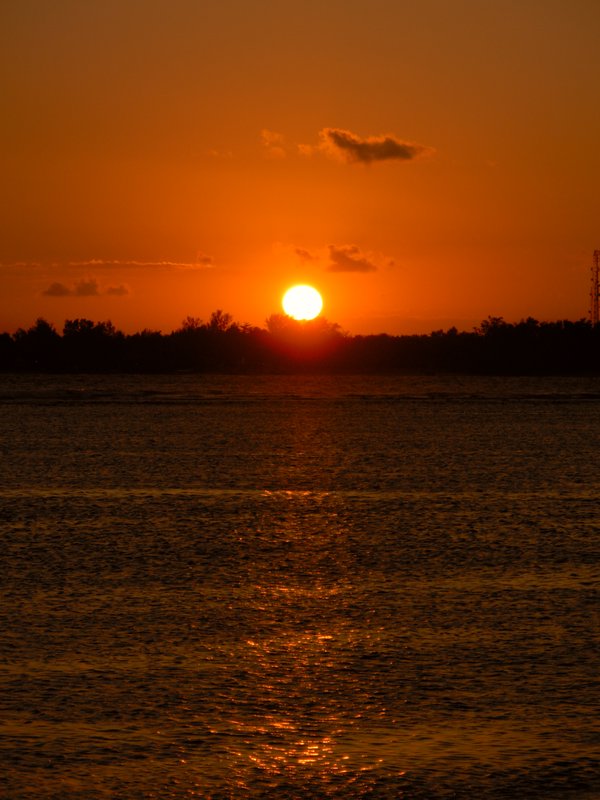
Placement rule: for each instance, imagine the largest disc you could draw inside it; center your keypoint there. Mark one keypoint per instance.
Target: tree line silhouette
(528, 347)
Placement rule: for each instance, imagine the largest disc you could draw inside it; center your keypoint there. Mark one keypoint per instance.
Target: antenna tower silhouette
(595, 290)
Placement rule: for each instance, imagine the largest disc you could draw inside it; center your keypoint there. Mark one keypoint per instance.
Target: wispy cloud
(21, 264)
(273, 143)
(202, 261)
(305, 255)
(225, 155)
(352, 148)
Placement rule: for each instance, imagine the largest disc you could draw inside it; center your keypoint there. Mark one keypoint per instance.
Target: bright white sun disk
(302, 302)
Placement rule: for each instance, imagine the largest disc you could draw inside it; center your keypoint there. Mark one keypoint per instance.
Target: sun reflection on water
(302, 677)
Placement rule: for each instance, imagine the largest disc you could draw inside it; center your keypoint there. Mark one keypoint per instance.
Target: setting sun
(302, 302)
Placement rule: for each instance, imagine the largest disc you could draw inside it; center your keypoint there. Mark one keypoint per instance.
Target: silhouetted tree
(92, 345)
(8, 354)
(147, 351)
(38, 346)
(220, 321)
(189, 325)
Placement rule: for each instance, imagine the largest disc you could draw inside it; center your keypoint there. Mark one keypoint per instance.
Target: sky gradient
(422, 165)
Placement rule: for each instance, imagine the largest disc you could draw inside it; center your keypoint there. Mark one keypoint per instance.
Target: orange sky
(422, 164)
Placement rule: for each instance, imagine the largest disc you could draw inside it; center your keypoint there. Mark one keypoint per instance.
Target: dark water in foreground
(299, 587)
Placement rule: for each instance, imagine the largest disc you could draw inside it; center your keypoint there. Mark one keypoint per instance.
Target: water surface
(245, 587)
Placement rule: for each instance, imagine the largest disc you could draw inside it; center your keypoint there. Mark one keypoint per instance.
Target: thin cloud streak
(202, 262)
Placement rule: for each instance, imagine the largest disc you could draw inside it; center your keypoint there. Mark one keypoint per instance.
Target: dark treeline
(528, 347)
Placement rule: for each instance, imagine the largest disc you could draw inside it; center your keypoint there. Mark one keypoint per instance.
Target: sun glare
(302, 302)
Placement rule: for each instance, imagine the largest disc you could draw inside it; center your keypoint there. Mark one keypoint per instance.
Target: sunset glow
(176, 172)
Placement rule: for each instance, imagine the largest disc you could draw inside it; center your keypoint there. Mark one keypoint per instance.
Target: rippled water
(299, 587)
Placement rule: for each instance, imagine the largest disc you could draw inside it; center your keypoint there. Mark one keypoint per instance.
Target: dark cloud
(352, 148)
(117, 291)
(304, 255)
(349, 258)
(57, 290)
(87, 288)
(204, 260)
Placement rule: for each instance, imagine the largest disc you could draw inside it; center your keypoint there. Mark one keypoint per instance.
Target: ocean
(299, 587)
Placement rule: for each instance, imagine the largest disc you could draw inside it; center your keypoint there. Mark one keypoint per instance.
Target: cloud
(219, 154)
(117, 291)
(202, 261)
(349, 258)
(273, 143)
(305, 255)
(19, 264)
(346, 146)
(307, 149)
(87, 287)
(57, 290)
(351, 148)
(336, 257)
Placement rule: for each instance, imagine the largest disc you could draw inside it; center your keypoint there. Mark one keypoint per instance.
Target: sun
(302, 302)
